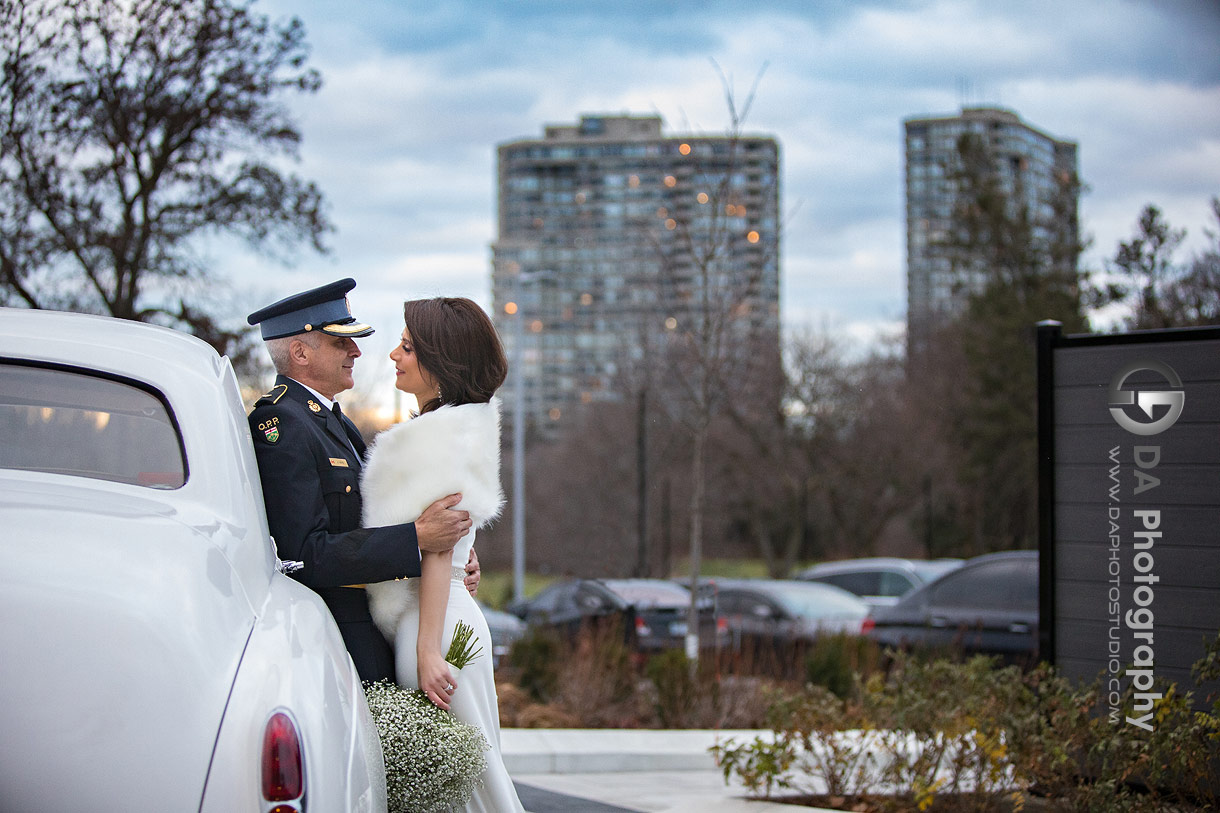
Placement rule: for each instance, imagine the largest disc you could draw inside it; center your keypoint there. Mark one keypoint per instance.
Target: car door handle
(1018, 627)
(938, 621)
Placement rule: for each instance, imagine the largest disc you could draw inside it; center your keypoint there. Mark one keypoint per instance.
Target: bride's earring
(438, 393)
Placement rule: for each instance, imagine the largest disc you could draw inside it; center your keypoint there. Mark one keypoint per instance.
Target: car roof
(648, 591)
(119, 346)
(973, 563)
(786, 589)
(869, 563)
(772, 586)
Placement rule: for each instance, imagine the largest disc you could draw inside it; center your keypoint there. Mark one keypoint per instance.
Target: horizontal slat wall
(1186, 557)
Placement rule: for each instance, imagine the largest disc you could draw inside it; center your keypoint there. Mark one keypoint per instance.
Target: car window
(893, 584)
(1003, 584)
(862, 583)
(70, 422)
(747, 604)
(589, 598)
(551, 598)
(730, 603)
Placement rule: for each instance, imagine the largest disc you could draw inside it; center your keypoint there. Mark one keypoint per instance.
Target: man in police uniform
(309, 460)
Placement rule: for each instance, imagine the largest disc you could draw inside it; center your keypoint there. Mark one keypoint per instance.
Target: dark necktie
(349, 429)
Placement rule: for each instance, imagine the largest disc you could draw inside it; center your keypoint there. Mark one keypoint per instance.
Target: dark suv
(989, 605)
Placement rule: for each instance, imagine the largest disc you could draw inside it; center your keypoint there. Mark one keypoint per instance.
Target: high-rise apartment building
(613, 236)
(1029, 164)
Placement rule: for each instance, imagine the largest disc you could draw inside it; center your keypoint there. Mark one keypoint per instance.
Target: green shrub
(836, 661)
(536, 658)
(983, 736)
(673, 675)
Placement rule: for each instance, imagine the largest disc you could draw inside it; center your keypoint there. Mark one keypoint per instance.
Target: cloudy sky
(418, 94)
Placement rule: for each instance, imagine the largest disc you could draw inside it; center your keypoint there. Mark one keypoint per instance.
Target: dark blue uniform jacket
(309, 461)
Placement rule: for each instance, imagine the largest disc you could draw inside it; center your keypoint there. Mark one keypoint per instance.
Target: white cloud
(402, 137)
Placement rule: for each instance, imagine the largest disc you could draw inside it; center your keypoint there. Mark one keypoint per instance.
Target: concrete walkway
(626, 771)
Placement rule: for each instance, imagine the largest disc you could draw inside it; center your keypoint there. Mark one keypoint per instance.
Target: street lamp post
(518, 456)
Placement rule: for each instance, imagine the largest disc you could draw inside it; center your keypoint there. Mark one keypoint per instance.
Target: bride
(451, 360)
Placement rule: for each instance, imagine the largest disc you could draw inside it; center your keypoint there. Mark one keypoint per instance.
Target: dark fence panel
(1129, 447)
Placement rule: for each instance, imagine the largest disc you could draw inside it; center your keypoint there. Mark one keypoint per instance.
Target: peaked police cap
(323, 308)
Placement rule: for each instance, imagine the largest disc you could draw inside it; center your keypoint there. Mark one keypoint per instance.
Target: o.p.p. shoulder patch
(269, 430)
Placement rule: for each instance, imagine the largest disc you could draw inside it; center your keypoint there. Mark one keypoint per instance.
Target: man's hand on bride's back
(440, 526)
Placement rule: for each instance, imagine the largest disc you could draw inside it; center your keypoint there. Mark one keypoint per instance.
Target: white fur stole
(414, 463)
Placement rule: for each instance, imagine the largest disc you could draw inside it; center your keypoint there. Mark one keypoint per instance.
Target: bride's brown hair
(456, 344)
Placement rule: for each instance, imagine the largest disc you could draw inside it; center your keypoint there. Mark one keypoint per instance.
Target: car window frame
(118, 378)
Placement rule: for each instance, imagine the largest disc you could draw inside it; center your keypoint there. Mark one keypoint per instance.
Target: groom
(309, 461)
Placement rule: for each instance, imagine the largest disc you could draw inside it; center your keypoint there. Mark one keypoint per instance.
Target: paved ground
(625, 771)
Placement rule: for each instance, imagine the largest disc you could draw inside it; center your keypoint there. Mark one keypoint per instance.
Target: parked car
(154, 655)
(881, 580)
(653, 611)
(785, 611)
(988, 605)
(506, 629)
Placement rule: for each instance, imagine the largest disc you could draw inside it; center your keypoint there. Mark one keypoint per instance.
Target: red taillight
(866, 626)
(283, 777)
(641, 627)
(722, 624)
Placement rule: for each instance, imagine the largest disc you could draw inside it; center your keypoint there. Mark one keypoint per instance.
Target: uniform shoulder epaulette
(273, 395)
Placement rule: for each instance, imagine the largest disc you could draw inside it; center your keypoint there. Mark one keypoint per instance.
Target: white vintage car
(152, 656)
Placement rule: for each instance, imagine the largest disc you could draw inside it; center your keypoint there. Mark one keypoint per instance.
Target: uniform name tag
(339, 461)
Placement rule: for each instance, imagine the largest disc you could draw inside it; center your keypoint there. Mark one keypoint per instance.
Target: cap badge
(314, 406)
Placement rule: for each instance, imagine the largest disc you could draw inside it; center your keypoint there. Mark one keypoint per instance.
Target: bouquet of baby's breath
(433, 761)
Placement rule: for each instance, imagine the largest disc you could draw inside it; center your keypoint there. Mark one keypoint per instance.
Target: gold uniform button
(349, 488)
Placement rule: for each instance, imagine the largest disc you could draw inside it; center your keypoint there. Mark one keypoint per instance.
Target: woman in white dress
(451, 360)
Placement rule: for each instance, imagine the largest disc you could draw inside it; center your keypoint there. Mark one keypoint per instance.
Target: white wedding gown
(410, 465)
(474, 701)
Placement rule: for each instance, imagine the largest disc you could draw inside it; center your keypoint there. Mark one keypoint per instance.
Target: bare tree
(130, 130)
(714, 265)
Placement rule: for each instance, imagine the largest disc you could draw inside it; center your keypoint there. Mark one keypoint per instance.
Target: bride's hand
(435, 679)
